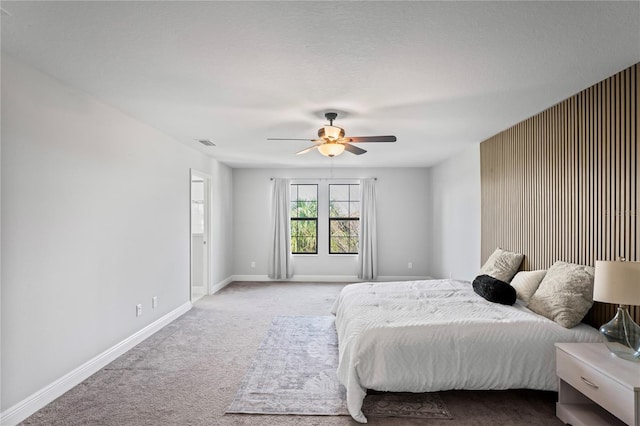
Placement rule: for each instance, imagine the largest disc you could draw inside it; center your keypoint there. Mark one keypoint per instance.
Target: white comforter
(425, 336)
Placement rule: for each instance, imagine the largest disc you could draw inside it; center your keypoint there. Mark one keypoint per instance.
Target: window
(344, 218)
(304, 219)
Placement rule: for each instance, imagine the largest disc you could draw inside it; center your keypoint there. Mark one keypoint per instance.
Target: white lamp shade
(331, 149)
(617, 282)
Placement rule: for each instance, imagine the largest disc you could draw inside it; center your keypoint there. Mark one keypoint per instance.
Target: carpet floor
(188, 373)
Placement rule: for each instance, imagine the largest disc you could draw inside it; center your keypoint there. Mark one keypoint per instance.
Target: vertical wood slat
(564, 184)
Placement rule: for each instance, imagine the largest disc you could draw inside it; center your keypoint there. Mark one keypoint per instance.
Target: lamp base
(622, 335)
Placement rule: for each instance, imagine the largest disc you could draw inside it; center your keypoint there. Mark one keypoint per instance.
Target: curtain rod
(321, 179)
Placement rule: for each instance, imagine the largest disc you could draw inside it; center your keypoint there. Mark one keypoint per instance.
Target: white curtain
(280, 250)
(368, 250)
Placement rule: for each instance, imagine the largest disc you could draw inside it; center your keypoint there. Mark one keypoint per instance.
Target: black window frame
(306, 219)
(342, 219)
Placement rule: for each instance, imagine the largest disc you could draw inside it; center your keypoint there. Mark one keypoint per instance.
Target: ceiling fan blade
(289, 139)
(304, 151)
(353, 149)
(370, 139)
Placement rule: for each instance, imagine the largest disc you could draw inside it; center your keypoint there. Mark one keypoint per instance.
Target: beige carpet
(189, 372)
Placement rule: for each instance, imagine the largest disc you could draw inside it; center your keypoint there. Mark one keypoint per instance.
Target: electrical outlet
(410, 265)
(253, 264)
(139, 309)
(154, 302)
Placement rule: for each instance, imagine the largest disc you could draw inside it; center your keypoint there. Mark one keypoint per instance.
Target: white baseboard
(23, 409)
(326, 278)
(299, 278)
(222, 284)
(250, 278)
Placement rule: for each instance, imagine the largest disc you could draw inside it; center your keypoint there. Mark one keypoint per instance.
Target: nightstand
(595, 387)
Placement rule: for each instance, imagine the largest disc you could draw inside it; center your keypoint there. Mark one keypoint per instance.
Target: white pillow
(565, 294)
(526, 283)
(502, 264)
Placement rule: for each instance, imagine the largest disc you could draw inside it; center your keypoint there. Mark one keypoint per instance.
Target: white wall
(455, 216)
(95, 219)
(221, 224)
(402, 208)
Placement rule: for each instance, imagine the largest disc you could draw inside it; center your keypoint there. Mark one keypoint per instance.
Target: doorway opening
(200, 222)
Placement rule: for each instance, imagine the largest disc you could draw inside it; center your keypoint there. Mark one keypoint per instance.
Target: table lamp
(618, 282)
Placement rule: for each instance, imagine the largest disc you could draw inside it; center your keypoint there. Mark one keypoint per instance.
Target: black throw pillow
(494, 290)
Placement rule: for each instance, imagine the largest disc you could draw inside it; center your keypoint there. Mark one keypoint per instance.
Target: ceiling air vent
(206, 142)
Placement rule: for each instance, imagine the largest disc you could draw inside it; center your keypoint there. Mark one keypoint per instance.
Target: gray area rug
(294, 372)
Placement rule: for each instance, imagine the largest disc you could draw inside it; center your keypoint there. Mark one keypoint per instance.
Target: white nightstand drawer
(603, 390)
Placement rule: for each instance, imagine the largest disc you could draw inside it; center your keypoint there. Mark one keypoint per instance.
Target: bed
(436, 335)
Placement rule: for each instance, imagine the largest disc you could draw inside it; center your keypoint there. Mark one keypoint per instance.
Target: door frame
(206, 232)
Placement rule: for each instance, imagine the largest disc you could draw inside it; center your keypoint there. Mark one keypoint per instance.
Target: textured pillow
(494, 290)
(526, 283)
(565, 294)
(502, 264)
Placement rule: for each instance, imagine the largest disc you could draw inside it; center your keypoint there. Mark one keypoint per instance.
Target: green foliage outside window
(304, 219)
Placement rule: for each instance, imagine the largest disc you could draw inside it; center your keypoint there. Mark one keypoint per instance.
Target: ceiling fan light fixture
(331, 149)
(331, 133)
(332, 142)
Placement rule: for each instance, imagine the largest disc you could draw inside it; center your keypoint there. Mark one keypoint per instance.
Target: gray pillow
(565, 294)
(502, 265)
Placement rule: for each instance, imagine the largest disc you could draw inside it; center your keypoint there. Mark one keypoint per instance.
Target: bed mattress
(426, 336)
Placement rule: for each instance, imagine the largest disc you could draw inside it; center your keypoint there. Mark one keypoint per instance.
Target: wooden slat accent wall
(564, 184)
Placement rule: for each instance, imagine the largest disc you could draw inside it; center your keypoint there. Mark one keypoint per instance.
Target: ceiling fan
(332, 141)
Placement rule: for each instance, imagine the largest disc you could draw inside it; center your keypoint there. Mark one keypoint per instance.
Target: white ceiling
(438, 75)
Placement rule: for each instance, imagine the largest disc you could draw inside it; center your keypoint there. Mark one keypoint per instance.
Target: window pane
(344, 236)
(304, 236)
(339, 192)
(339, 228)
(339, 209)
(304, 214)
(303, 245)
(354, 192)
(309, 245)
(306, 228)
(307, 209)
(308, 192)
(302, 227)
(353, 244)
(340, 245)
(354, 227)
(344, 215)
(354, 209)
(344, 227)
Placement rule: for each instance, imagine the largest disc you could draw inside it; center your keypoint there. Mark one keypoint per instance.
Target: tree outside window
(304, 219)
(344, 218)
